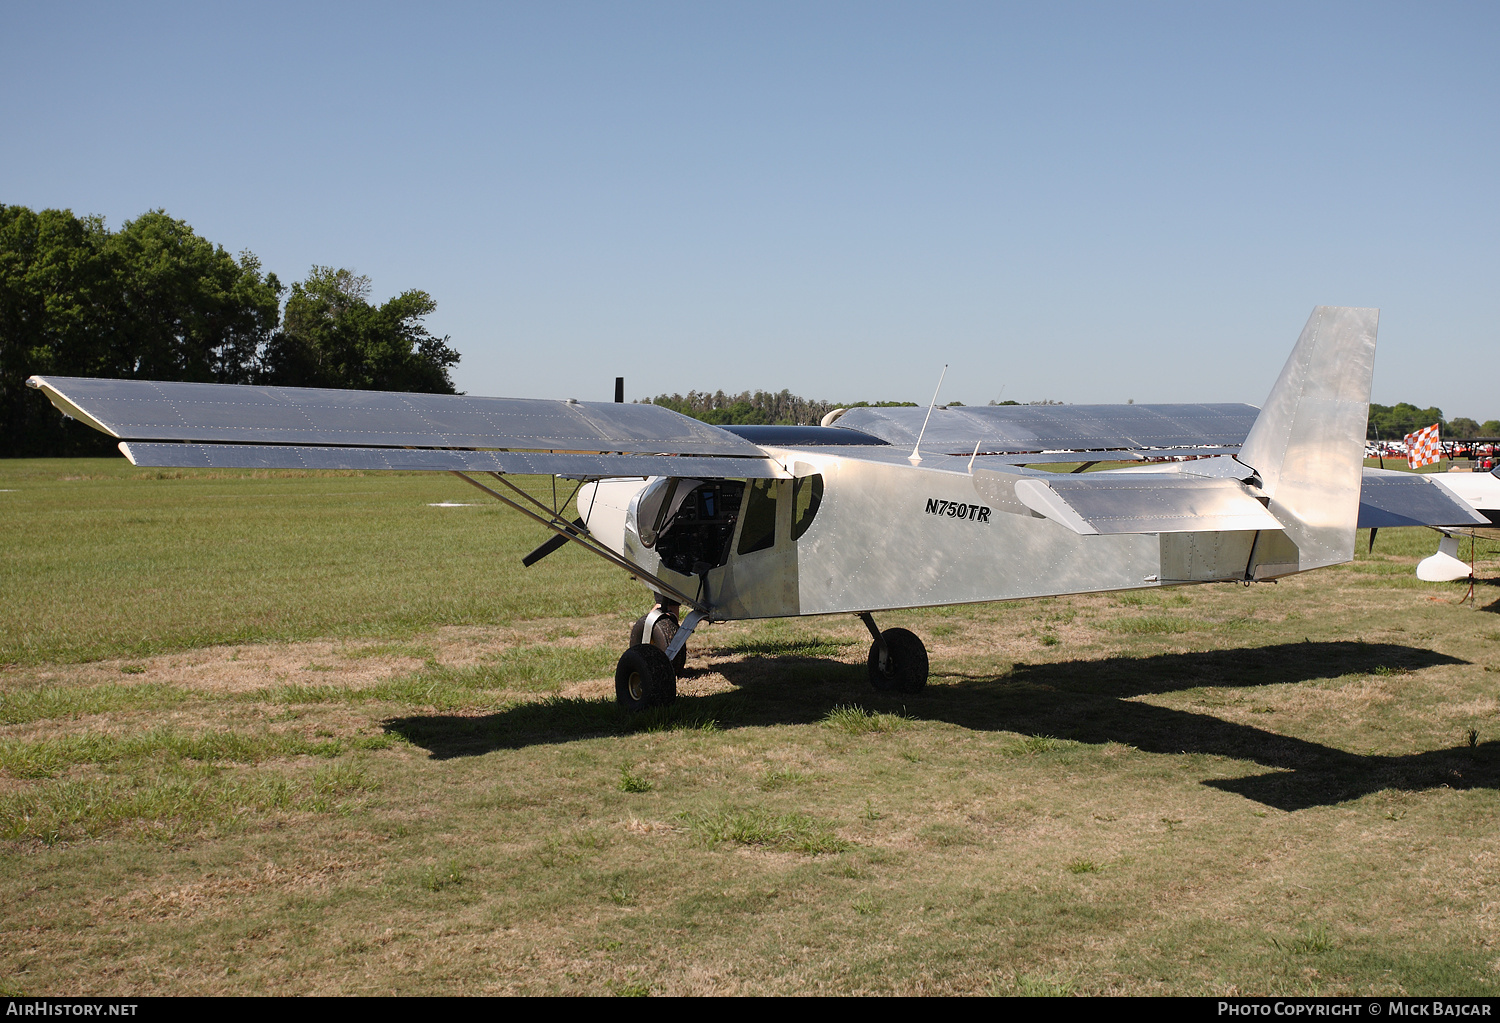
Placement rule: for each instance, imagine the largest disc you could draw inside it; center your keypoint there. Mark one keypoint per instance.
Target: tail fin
(1308, 444)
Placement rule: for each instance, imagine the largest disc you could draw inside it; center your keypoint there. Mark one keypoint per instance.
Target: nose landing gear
(662, 620)
(646, 675)
(644, 678)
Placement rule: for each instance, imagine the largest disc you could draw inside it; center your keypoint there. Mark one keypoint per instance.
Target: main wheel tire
(661, 635)
(644, 678)
(906, 669)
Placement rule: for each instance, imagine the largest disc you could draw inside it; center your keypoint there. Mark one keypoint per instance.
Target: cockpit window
(759, 530)
(807, 494)
(690, 522)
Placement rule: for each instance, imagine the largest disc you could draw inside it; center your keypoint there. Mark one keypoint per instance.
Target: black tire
(661, 634)
(906, 670)
(644, 678)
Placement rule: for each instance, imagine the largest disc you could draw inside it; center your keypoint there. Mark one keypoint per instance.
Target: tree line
(1392, 422)
(758, 408)
(155, 301)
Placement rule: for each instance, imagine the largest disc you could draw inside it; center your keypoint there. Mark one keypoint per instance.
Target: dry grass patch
(218, 893)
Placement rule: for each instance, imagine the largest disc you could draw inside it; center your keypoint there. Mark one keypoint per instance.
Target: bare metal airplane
(768, 521)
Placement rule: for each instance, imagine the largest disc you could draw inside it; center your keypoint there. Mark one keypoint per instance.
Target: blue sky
(1085, 202)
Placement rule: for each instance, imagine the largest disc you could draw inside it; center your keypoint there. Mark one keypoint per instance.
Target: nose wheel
(647, 673)
(663, 629)
(644, 679)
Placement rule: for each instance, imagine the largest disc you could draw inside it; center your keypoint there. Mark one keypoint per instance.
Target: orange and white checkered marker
(1422, 447)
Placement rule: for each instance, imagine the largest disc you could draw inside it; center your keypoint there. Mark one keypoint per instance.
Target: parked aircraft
(1480, 491)
(758, 522)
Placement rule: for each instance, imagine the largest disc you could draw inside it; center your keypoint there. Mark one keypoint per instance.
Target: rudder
(1307, 446)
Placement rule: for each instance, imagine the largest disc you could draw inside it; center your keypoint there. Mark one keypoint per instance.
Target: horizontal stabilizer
(290, 456)
(1390, 498)
(1104, 503)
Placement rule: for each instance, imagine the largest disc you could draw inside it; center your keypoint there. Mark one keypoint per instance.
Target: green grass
(536, 669)
(44, 758)
(630, 781)
(1156, 625)
(170, 801)
(303, 555)
(436, 877)
(797, 832)
(780, 778)
(20, 706)
(858, 721)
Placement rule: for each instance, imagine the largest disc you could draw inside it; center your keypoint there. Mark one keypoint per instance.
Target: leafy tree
(153, 300)
(190, 311)
(334, 337)
(156, 301)
(54, 282)
(1392, 422)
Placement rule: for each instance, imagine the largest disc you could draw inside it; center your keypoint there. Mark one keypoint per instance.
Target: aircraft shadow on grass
(1085, 701)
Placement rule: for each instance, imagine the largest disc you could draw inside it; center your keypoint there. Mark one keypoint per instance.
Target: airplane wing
(223, 425)
(1018, 429)
(192, 425)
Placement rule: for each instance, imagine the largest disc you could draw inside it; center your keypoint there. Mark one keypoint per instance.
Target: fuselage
(850, 534)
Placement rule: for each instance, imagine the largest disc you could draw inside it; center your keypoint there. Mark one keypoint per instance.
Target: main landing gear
(898, 660)
(646, 675)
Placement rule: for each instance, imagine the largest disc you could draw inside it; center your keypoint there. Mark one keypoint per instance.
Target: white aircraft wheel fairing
(644, 678)
(1444, 566)
(906, 665)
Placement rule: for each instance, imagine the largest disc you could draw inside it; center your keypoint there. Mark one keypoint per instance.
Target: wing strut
(568, 531)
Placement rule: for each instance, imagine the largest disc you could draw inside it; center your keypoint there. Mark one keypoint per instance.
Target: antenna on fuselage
(915, 458)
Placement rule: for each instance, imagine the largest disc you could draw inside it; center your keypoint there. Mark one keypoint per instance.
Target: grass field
(295, 733)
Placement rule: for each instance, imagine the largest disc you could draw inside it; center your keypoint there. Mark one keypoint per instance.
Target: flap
(576, 466)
